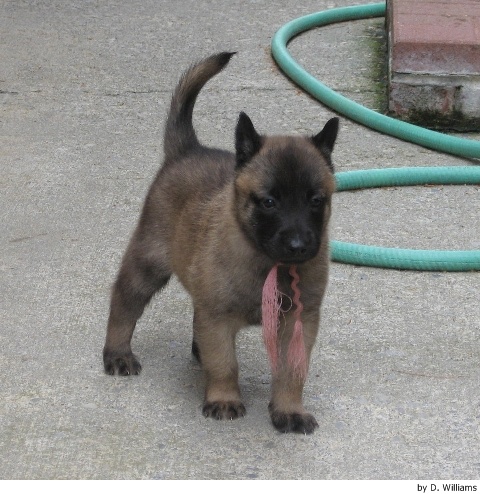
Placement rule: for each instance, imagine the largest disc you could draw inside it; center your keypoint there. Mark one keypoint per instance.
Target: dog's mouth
(293, 260)
(285, 254)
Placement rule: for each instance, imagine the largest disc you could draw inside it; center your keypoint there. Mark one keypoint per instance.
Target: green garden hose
(366, 255)
(422, 260)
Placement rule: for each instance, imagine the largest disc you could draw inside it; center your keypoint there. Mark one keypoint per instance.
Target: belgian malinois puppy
(220, 221)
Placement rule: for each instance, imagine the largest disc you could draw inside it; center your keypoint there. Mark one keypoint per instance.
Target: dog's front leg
(286, 406)
(214, 341)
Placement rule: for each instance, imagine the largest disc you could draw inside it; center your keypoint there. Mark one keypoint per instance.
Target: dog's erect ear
(247, 141)
(325, 139)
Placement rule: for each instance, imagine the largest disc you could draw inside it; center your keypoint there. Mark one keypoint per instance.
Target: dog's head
(283, 190)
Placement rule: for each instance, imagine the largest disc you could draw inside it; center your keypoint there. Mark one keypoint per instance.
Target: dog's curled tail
(180, 135)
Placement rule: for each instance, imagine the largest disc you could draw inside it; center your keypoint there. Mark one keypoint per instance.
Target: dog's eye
(317, 201)
(269, 203)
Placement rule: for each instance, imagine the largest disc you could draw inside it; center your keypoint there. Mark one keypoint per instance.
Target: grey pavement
(84, 87)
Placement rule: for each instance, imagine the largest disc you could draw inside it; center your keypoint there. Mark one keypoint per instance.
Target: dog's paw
(224, 410)
(123, 365)
(302, 423)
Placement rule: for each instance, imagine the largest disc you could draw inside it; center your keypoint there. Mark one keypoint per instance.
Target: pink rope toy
(271, 307)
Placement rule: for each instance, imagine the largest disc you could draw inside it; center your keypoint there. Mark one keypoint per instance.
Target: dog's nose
(297, 246)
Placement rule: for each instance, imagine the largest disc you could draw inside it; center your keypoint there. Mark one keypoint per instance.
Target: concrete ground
(84, 86)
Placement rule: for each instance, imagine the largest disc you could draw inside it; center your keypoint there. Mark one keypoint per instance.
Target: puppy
(220, 221)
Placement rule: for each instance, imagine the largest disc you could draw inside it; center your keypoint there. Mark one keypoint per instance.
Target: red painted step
(434, 61)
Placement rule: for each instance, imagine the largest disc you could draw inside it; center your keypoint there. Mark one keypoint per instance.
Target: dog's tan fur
(200, 221)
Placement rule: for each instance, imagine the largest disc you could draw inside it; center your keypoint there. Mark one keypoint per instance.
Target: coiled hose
(367, 255)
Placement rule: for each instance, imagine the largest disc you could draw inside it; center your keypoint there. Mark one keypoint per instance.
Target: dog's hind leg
(138, 280)
(214, 346)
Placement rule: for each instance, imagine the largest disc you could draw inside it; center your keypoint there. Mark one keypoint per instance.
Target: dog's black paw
(302, 423)
(123, 365)
(224, 410)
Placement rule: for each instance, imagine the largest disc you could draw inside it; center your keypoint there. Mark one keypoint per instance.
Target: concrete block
(434, 62)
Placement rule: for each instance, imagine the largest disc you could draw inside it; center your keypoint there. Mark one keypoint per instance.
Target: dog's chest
(245, 299)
